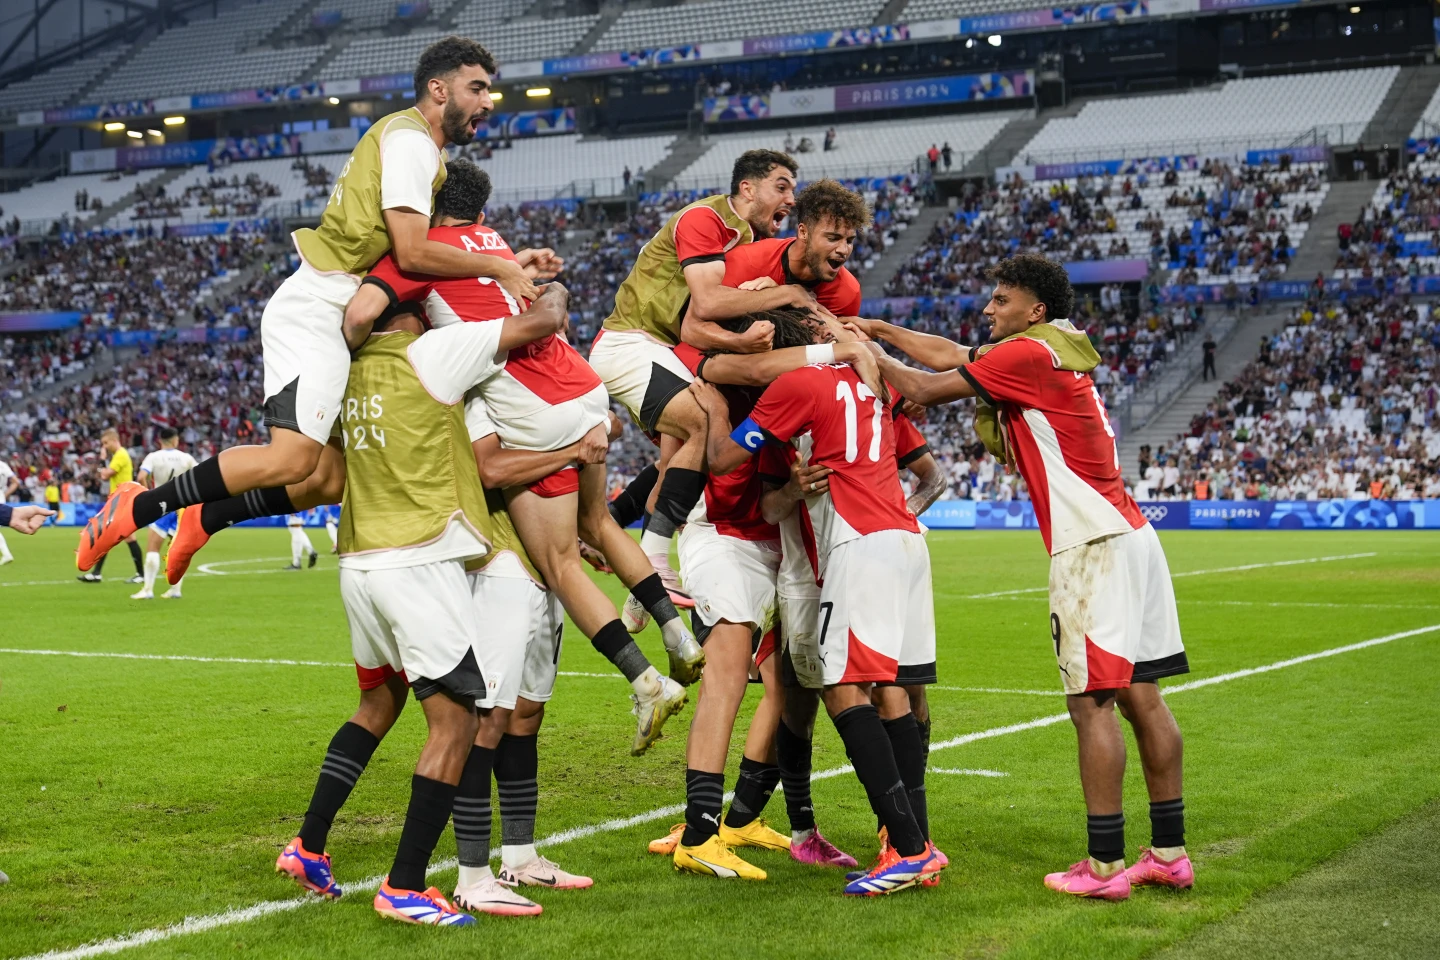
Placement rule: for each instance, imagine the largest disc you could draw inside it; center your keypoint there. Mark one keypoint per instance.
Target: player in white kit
(158, 468)
(300, 546)
(11, 483)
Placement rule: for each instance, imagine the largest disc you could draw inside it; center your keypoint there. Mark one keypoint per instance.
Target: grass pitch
(138, 792)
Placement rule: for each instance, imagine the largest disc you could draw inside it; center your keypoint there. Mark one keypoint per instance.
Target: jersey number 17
(852, 400)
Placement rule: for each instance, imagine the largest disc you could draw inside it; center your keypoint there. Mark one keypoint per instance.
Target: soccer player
(545, 398)
(161, 466)
(681, 273)
(1112, 606)
(381, 202)
(875, 570)
(414, 511)
(300, 545)
(12, 483)
(120, 470)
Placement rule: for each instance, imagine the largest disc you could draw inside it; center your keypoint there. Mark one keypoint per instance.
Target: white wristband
(820, 353)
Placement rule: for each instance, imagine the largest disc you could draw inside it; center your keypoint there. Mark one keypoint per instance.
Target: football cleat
(7, 558)
(106, 529)
(492, 897)
(714, 859)
(671, 580)
(314, 559)
(172, 594)
(941, 862)
(652, 712)
(189, 538)
(1081, 880)
(1151, 871)
(687, 660)
(90, 578)
(292, 566)
(634, 615)
(816, 850)
(885, 851)
(892, 873)
(666, 845)
(595, 558)
(409, 906)
(756, 833)
(310, 870)
(142, 595)
(541, 872)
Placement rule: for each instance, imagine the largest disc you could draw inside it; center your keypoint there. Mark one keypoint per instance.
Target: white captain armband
(749, 435)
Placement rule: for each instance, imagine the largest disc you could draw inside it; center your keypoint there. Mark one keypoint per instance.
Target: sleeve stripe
(385, 288)
(705, 258)
(980, 391)
(914, 455)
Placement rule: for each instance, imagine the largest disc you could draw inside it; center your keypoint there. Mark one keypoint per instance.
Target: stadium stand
(1237, 115)
(33, 363)
(1397, 235)
(41, 204)
(919, 10)
(1340, 403)
(539, 168)
(731, 19)
(874, 149)
(58, 86)
(1428, 123)
(212, 54)
(285, 186)
(371, 14)
(510, 42)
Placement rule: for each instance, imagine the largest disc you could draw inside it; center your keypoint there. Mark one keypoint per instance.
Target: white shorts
(640, 372)
(416, 621)
(521, 625)
(799, 641)
(731, 579)
(1112, 613)
(876, 610)
(168, 524)
(555, 426)
(306, 362)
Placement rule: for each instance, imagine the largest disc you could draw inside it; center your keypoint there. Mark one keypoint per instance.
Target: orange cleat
(106, 529)
(189, 538)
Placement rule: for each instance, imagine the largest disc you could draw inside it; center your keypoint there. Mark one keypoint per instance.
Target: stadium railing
(1338, 133)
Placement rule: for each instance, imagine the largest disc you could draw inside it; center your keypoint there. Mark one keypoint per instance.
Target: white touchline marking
(200, 571)
(1260, 603)
(968, 773)
(265, 907)
(1194, 573)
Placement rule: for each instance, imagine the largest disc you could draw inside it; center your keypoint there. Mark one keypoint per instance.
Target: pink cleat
(818, 851)
(1082, 881)
(1150, 870)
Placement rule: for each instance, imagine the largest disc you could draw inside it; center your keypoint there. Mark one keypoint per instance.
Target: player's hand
(514, 280)
(868, 369)
(707, 396)
(807, 480)
(759, 283)
(594, 445)
(27, 520)
(870, 329)
(617, 427)
(800, 297)
(540, 263)
(757, 339)
(915, 411)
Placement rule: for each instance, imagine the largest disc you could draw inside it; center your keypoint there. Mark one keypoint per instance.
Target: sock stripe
(345, 762)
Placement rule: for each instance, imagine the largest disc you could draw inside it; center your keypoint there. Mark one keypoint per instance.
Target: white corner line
(967, 773)
(266, 907)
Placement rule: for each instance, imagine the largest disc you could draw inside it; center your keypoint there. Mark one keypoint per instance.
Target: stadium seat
(731, 19)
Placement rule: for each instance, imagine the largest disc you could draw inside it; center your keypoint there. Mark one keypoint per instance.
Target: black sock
(868, 748)
(924, 726)
(349, 752)
(655, 598)
(517, 764)
(614, 643)
(1107, 836)
(1167, 823)
(430, 804)
(472, 808)
(203, 484)
(630, 505)
(99, 566)
(269, 502)
(704, 798)
(752, 791)
(138, 557)
(679, 492)
(909, 753)
(794, 752)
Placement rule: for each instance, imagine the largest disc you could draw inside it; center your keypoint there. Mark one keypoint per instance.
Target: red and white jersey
(850, 431)
(768, 258)
(731, 502)
(799, 576)
(1060, 437)
(540, 374)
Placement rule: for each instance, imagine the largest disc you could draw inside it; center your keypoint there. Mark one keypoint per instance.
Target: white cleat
(634, 615)
(541, 872)
(172, 594)
(6, 559)
(143, 595)
(687, 660)
(492, 897)
(652, 712)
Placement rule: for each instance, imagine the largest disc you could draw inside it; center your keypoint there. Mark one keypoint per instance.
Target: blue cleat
(429, 907)
(893, 873)
(310, 870)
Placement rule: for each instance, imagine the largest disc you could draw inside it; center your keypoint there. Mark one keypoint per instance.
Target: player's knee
(686, 416)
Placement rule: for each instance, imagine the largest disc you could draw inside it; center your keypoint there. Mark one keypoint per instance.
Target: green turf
(169, 786)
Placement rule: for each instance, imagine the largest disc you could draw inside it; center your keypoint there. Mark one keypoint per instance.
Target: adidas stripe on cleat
(892, 873)
(106, 529)
(429, 908)
(310, 870)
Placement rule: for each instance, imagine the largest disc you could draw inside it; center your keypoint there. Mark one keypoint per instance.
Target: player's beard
(455, 124)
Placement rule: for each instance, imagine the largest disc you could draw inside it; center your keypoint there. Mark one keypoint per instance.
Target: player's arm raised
(931, 484)
(751, 371)
(711, 301)
(415, 252)
(926, 389)
(937, 353)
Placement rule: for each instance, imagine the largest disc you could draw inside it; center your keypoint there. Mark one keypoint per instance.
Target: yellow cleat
(714, 859)
(756, 833)
(666, 845)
